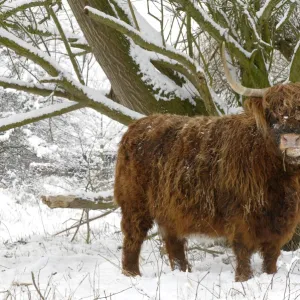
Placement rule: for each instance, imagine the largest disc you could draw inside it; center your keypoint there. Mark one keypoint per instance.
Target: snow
(40, 147)
(160, 82)
(142, 57)
(145, 27)
(96, 96)
(282, 20)
(76, 270)
(25, 84)
(5, 135)
(253, 26)
(262, 9)
(88, 195)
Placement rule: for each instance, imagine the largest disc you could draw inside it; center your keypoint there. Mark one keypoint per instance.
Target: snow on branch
(66, 43)
(21, 119)
(33, 88)
(85, 96)
(144, 26)
(219, 33)
(75, 40)
(286, 15)
(253, 27)
(25, 49)
(74, 89)
(96, 100)
(264, 13)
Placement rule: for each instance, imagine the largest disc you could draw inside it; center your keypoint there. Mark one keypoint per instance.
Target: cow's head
(277, 113)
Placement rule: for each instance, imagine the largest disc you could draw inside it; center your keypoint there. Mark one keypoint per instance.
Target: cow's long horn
(236, 86)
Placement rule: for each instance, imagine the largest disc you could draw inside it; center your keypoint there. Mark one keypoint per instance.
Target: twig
(88, 237)
(36, 287)
(105, 297)
(205, 250)
(133, 15)
(78, 226)
(92, 219)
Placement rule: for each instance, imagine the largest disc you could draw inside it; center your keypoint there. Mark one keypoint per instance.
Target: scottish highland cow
(233, 176)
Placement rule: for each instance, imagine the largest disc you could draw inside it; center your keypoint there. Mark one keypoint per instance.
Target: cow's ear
(256, 107)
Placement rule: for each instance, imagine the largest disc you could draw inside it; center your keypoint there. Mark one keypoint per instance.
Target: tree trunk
(111, 50)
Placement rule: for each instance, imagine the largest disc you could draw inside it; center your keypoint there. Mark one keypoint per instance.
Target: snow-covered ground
(31, 253)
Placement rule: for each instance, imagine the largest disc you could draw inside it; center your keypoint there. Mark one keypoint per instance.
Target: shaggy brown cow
(234, 176)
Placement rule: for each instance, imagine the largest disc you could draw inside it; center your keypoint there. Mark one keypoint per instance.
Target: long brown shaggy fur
(219, 176)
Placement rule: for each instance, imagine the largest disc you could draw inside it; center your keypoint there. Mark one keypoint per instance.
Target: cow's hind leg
(135, 225)
(243, 253)
(270, 254)
(175, 248)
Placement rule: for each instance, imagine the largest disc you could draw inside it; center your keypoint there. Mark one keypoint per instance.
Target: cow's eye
(271, 119)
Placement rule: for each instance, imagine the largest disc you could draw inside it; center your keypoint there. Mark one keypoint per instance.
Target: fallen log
(74, 201)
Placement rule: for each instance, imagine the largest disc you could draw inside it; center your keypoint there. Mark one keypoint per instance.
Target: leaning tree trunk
(112, 52)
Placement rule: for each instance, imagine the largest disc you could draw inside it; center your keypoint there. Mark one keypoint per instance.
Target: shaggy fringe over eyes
(281, 100)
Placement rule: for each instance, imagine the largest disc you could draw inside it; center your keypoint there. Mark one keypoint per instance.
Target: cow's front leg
(243, 253)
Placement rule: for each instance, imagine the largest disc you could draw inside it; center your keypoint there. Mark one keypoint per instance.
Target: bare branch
(84, 222)
(66, 43)
(37, 115)
(24, 49)
(28, 4)
(133, 15)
